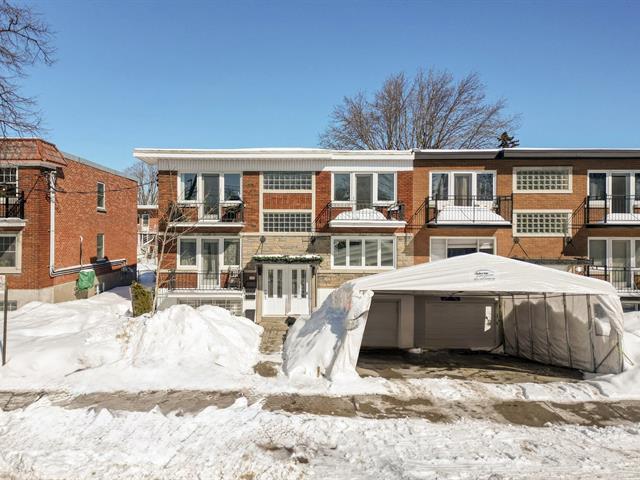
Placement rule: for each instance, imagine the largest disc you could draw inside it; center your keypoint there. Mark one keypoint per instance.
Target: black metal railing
(360, 211)
(469, 209)
(226, 212)
(612, 209)
(624, 279)
(12, 206)
(225, 279)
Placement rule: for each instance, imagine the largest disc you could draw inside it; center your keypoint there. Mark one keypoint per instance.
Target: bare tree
(147, 178)
(25, 40)
(431, 111)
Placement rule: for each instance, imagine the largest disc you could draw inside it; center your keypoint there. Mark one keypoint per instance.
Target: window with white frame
(541, 224)
(231, 251)
(187, 252)
(100, 196)
(9, 251)
(542, 179)
(364, 188)
(287, 221)
(144, 220)
(363, 252)
(462, 185)
(8, 181)
(615, 252)
(100, 246)
(287, 180)
(618, 184)
(447, 247)
(188, 187)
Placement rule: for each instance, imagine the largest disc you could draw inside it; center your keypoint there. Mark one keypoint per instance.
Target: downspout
(52, 224)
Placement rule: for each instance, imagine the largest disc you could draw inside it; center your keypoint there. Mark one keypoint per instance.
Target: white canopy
(545, 314)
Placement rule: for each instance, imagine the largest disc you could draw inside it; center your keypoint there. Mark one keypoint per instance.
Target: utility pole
(3, 285)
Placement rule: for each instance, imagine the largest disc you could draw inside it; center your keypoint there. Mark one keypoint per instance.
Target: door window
(364, 191)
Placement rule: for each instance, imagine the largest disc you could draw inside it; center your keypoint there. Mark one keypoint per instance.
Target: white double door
(286, 289)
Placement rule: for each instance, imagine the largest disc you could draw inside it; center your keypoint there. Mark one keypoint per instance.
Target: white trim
(517, 170)
(633, 261)
(349, 238)
(17, 268)
(540, 210)
(374, 187)
(199, 239)
(103, 207)
(289, 190)
(179, 265)
(467, 237)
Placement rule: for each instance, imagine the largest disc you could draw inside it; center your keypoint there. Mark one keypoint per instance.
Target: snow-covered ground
(95, 345)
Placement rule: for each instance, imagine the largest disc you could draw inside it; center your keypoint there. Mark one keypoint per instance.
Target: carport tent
(545, 315)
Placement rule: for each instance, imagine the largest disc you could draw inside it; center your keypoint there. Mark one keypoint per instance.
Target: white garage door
(462, 323)
(382, 324)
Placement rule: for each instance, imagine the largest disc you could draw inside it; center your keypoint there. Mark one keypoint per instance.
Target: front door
(286, 289)
(209, 277)
(364, 191)
(462, 188)
(620, 263)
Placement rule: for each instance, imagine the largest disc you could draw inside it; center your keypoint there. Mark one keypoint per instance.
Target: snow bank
(95, 345)
(627, 383)
(327, 343)
(182, 335)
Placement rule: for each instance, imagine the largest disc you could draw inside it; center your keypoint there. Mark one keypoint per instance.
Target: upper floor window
(364, 189)
(287, 180)
(100, 197)
(144, 220)
(287, 222)
(8, 181)
(210, 188)
(447, 247)
(619, 184)
(463, 186)
(541, 224)
(542, 179)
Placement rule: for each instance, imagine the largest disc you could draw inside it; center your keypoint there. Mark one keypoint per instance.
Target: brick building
(59, 214)
(271, 232)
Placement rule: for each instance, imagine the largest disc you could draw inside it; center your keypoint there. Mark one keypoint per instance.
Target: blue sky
(256, 73)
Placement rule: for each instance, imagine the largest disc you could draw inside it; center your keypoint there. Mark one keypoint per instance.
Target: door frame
(286, 290)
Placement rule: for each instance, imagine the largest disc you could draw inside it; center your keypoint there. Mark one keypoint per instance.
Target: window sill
(101, 210)
(10, 270)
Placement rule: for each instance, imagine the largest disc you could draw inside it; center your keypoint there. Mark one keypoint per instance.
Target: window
(541, 224)
(367, 252)
(287, 180)
(287, 222)
(8, 181)
(100, 246)
(598, 252)
(542, 179)
(8, 251)
(12, 305)
(342, 187)
(187, 249)
(232, 187)
(597, 185)
(189, 187)
(364, 188)
(144, 220)
(100, 199)
(447, 247)
(231, 251)
(463, 186)
(615, 252)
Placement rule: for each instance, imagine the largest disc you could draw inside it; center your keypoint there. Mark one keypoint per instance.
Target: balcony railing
(624, 279)
(614, 209)
(230, 279)
(12, 206)
(469, 210)
(194, 212)
(360, 213)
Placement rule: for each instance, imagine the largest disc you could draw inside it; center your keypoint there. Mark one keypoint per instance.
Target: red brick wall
(287, 201)
(77, 215)
(251, 199)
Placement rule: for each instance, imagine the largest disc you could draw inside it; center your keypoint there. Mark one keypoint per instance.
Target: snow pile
(627, 383)
(462, 214)
(182, 335)
(328, 342)
(95, 345)
(363, 214)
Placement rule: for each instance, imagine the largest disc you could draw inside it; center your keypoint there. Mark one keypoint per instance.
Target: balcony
(612, 210)
(469, 210)
(12, 208)
(624, 279)
(200, 281)
(361, 215)
(207, 214)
